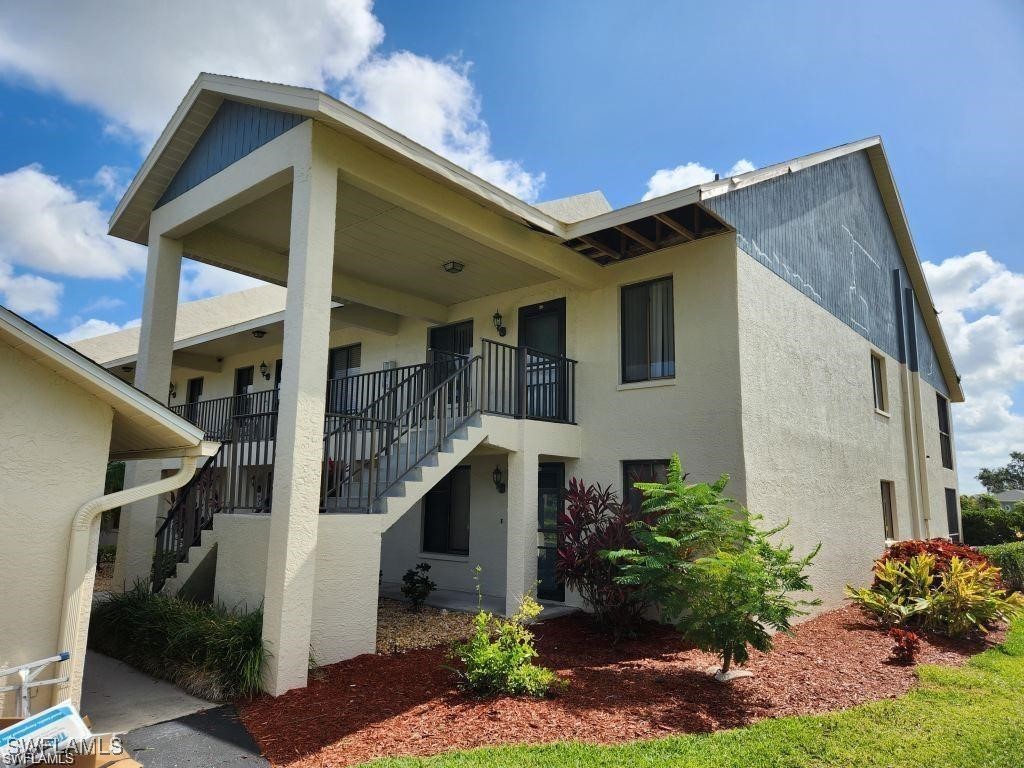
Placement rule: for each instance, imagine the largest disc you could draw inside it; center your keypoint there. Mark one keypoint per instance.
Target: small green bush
(206, 650)
(1009, 558)
(417, 586)
(993, 525)
(497, 659)
(964, 597)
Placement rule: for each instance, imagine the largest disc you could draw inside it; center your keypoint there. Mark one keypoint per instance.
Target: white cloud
(29, 294)
(93, 327)
(435, 104)
(668, 180)
(141, 77)
(112, 180)
(134, 61)
(46, 227)
(201, 280)
(102, 303)
(981, 304)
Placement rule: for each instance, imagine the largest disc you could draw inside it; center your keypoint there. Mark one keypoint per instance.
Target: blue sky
(548, 99)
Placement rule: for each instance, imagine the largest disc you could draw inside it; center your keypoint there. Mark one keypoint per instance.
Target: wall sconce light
(498, 325)
(453, 267)
(499, 479)
(172, 392)
(259, 333)
(264, 370)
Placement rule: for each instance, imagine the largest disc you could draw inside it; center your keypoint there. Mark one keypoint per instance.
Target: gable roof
(141, 424)
(130, 219)
(194, 321)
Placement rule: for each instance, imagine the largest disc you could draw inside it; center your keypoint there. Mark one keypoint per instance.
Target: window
(193, 391)
(446, 515)
(641, 472)
(648, 331)
(945, 443)
(888, 516)
(878, 383)
(343, 396)
(952, 514)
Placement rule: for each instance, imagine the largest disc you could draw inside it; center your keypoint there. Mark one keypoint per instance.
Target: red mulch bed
(407, 704)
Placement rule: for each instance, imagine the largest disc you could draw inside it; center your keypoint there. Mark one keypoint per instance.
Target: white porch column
(136, 533)
(521, 547)
(288, 605)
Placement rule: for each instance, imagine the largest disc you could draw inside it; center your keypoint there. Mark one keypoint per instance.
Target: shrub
(712, 571)
(594, 522)
(498, 657)
(905, 645)
(965, 595)
(417, 586)
(106, 553)
(205, 650)
(993, 525)
(1009, 558)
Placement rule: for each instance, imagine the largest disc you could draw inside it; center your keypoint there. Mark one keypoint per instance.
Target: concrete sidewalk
(118, 698)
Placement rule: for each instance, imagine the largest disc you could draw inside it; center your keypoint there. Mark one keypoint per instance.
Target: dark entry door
(448, 347)
(550, 497)
(542, 332)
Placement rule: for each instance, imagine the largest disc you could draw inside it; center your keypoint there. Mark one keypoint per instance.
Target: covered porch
(285, 187)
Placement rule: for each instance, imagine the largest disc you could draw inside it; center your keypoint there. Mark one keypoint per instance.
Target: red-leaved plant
(593, 522)
(905, 645)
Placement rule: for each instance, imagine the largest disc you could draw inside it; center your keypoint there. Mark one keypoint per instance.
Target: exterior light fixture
(172, 392)
(264, 370)
(498, 325)
(259, 333)
(499, 479)
(453, 267)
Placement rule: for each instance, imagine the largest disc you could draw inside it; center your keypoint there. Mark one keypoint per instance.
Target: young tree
(1006, 478)
(714, 574)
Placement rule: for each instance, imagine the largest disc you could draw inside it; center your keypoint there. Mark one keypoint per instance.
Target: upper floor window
(945, 440)
(655, 471)
(878, 383)
(648, 331)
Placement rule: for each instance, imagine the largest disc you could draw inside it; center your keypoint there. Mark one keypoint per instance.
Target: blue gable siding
(234, 131)
(825, 231)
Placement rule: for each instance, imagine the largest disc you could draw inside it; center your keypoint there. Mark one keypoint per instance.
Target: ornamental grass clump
(711, 570)
(932, 587)
(205, 650)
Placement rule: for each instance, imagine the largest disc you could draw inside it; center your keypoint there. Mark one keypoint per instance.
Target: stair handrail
(177, 510)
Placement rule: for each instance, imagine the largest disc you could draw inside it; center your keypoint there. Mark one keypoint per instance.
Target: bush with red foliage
(943, 550)
(594, 522)
(905, 645)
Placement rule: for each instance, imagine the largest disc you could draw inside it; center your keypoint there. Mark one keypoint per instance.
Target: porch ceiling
(384, 244)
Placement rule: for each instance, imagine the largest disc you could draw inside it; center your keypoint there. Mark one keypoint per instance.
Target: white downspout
(81, 570)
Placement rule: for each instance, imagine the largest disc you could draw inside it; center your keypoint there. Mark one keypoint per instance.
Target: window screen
(945, 441)
(952, 515)
(888, 517)
(648, 331)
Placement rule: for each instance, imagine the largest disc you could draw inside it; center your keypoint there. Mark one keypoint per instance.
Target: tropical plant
(714, 574)
(497, 659)
(905, 645)
(1009, 558)
(959, 597)
(417, 586)
(593, 522)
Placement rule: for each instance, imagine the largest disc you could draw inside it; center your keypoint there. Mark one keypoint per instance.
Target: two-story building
(442, 356)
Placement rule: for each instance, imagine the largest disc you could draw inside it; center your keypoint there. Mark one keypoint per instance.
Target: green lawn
(956, 718)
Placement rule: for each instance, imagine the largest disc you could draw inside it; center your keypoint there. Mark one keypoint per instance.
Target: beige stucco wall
(346, 576)
(54, 441)
(816, 449)
(402, 544)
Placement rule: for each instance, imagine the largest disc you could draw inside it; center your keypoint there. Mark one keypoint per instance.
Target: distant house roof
(141, 424)
(1011, 497)
(195, 320)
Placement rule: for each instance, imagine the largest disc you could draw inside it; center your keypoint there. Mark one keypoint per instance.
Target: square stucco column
(136, 532)
(291, 555)
(521, 547)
